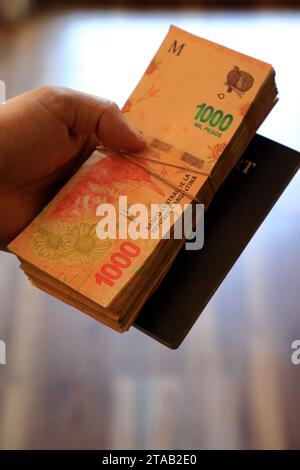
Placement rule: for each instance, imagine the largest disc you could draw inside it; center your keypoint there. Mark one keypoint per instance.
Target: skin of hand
(45, 136)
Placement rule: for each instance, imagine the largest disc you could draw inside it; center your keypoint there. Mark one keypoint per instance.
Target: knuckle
(52, 91)
(111, 106)
(46, 90)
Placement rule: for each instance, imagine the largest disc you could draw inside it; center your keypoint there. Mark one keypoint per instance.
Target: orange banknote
(189, 103)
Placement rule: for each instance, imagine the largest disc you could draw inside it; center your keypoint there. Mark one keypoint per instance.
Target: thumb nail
(137, 133)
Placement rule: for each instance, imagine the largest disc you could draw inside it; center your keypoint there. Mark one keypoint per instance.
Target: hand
(45, 136)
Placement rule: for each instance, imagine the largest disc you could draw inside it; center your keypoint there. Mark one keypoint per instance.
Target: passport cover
(236, 212)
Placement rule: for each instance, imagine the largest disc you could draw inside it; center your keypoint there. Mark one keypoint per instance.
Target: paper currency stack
(97, 246)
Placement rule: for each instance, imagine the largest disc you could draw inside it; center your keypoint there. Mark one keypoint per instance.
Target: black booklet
(236, 212)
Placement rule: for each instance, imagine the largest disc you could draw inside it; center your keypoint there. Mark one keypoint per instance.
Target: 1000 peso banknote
(190, 102)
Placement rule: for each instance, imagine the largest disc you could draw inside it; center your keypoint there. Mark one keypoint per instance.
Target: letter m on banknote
(176, 49)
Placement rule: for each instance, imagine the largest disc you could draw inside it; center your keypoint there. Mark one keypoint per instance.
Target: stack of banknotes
(106, 240)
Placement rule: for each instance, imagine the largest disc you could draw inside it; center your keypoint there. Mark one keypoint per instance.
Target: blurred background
(70, 383)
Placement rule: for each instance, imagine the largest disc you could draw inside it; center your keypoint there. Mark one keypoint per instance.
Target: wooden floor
(70, 383)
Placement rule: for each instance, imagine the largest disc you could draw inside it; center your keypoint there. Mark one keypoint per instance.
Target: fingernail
(135, 131)
(140, 136)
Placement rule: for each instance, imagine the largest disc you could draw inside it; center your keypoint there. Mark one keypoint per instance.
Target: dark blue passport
(236, 212)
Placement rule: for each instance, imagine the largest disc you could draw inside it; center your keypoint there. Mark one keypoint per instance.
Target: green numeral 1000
(214, 118)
